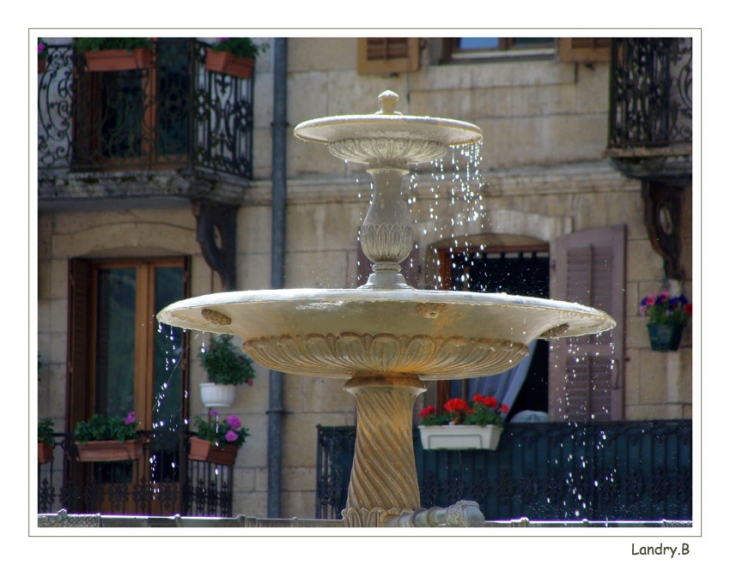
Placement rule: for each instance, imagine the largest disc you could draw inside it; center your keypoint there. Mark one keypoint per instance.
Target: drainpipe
(278, 236)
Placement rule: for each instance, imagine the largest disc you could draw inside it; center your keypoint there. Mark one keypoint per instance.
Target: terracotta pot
(45, 453)
(460, 437)
(119, 59)
(97, 451)
(665, 337)
(229, 64)
(42, 65)
(201, 450)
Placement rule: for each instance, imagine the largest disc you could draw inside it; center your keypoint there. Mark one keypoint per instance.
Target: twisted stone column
(383, 480)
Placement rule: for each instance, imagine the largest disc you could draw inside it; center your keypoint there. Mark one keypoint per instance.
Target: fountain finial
(388, 100)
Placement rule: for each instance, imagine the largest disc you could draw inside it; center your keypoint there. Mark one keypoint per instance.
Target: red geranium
(427, 411)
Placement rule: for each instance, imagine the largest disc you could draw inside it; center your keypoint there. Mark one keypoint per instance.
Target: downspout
(278, 237)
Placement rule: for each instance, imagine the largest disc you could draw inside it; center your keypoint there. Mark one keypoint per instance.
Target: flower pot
(42, 65)
(201, 450)
(460, 437)
(229, 64)
(112, 450)
(119, 59)
(217, 396)
(45, 453)
(665, 337)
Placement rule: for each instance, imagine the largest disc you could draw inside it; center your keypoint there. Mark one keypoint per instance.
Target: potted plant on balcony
(667, 317)
(45, 440)
(463, 426)
(42, 56)
(226, 369)
(115, 53)
(235, 56)
(108, 438)
(217, 442)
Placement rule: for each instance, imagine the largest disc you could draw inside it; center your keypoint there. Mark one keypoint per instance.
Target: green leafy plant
(225, 365)
(239, 46)
(106, 428)
(83, 44)
(45, 431)
(483, 411)
(222, 433)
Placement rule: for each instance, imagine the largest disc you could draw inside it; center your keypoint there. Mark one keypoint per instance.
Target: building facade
(570, 192)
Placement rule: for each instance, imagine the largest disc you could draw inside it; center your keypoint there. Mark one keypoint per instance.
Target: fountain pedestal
(383, 480)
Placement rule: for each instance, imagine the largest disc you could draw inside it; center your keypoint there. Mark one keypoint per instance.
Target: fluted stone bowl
(361, 332)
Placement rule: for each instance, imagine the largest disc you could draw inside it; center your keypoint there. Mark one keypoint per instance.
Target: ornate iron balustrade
(173, 115)
(553, 471)
(162, 483)
(650, 93)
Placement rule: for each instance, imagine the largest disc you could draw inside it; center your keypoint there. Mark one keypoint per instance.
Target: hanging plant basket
(45, 453)
(112, 450)
(107, 60)
(217, 396)
(201, 450)
(665, 337)
(460, 437)
(228, 64)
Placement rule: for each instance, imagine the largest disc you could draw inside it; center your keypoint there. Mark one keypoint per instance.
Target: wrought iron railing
(650, 93)
(163, 482)
(175, 114)
(550, 471)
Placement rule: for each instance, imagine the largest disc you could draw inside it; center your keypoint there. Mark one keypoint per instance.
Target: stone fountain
(385, 337)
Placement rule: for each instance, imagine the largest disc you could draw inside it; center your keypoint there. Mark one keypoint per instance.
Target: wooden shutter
(387, 55)
(77, 354)
(586, 373)
(584, 49)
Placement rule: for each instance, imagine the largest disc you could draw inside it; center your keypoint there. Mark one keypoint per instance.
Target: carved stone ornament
(215, 317)
(352, 353)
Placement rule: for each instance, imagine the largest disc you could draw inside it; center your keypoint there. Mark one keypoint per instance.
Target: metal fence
(173, 114)
(163, 482)
(550, 471)
(650, 92)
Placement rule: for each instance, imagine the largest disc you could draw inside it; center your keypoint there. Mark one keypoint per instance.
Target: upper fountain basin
(359, 332)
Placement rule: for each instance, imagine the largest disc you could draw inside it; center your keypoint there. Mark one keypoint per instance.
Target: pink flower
(223, 38)
(41, 48)
(213, 412)
(231, 436)
(650, 300)
(130, 418)
(234, 422)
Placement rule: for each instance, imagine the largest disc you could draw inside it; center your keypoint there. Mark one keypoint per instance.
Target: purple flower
(231, 436)
(213, 412)
(234, 422)
(223, 38)
(130, 418)
(41, 48)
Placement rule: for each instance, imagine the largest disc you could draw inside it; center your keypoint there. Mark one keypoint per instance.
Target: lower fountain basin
(359, 332)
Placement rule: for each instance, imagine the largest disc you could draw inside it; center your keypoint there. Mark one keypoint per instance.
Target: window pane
(115, 341)
(478, 42)
(167, 379)
(531, 41)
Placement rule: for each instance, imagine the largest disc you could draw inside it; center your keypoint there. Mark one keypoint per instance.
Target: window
(134, 118)
(120, 359)
(521, 271)
(387, 55)
(465, 48)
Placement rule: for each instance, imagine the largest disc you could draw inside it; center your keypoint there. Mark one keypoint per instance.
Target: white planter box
(217, 396)
(460, 437)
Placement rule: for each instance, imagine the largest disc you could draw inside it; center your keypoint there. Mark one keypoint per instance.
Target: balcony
(650, 113)
(163, 482)
(610, 471)
(170, 131)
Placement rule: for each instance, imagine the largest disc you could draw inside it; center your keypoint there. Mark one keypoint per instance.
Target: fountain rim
(337, 128)
(319, 298)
